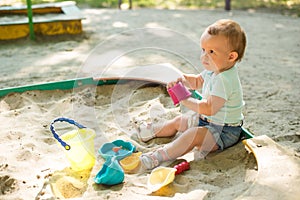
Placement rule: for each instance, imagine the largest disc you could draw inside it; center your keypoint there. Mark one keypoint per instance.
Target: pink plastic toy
(178, 92)
(173, 97)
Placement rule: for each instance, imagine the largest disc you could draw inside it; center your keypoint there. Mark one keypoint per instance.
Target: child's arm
(192, 81)
(209, 106)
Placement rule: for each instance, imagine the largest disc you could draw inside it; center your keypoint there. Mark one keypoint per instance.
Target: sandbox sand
(32, 164)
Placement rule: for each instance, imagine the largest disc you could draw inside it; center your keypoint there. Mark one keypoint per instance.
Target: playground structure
(43, 19)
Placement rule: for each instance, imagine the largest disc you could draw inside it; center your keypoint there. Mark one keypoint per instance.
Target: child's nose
(203, 54)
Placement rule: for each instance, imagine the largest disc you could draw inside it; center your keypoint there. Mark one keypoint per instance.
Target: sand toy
(111, 173)
(131, 162)
(118, 149)
(178, 92)
(78, 144)
(162, 176)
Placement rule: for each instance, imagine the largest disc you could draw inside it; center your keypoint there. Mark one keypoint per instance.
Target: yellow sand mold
(131, 162)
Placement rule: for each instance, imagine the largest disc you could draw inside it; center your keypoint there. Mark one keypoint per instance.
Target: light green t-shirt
(226, 85)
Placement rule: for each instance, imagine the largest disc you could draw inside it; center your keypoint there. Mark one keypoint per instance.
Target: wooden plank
(23, 11)
(8, 32)
(58, 85)
(72, 11)
(59, 27)
(159, 73)
(278, 171)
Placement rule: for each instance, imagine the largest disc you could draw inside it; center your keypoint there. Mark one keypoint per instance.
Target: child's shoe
(149, 161)
(145, 131)
(154, 159)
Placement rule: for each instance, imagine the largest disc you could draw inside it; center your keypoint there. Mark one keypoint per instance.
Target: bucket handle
(56, 136)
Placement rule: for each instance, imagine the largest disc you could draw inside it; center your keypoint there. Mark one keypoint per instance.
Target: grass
(287, 7)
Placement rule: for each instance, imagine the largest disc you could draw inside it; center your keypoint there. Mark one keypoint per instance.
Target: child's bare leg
(171, 127)
(147, 132)
(194, 137)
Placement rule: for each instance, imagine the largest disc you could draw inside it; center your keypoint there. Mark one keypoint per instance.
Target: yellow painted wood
(15, 31)
(9, 32)
(34, 11)
(58, 28)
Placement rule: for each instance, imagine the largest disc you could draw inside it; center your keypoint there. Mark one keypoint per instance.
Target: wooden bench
(52, 19)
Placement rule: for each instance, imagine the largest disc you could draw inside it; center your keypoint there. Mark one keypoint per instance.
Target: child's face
(216, 53)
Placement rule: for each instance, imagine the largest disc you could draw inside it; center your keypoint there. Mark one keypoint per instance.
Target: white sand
(33, 166)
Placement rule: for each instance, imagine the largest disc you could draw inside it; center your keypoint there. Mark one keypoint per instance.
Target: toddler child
(220, 110)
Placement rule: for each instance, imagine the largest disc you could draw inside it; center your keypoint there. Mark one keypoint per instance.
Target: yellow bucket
(78, 145)
(82, 153)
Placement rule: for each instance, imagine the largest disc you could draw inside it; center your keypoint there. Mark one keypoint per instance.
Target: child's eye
(210, 51)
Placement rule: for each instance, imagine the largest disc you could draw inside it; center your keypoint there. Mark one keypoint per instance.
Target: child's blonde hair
(233, 32)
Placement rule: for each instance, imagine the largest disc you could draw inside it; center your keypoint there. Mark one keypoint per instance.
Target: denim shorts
(226, 136)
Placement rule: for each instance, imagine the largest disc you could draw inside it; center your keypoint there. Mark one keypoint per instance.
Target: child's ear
(233, 56)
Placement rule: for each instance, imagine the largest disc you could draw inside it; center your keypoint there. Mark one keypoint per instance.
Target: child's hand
(171, 84)
(192, 81)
